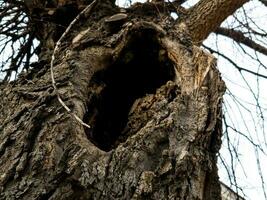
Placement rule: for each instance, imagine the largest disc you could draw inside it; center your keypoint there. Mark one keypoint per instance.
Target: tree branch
(207, 15)
(233, 63)
(239, 37)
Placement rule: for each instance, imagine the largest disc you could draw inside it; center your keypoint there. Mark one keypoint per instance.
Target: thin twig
(234, 64)
(86, 10)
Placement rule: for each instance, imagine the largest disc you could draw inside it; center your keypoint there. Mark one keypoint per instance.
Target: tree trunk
(152, 99)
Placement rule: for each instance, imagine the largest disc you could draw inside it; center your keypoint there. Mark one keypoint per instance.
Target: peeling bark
(154, 103)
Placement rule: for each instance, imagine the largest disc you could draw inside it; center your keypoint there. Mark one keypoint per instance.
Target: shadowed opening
(142, 68)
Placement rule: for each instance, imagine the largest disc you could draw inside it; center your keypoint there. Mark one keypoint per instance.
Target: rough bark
(152, 98)
(207, 15)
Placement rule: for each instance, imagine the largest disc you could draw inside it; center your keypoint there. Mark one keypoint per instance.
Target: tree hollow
(142, 67)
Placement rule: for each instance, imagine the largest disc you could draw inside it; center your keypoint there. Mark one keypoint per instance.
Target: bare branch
(234, 64)
(239, 37)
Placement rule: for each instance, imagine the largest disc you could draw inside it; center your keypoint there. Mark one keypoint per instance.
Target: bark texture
(153, 101)
(207, 15)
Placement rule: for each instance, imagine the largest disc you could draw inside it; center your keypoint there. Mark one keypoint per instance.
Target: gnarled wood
(153, 101)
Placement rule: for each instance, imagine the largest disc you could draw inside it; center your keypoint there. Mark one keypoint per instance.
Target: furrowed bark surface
(207, 15)
(153, 101)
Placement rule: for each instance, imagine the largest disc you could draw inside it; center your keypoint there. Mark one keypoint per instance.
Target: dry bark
(207, 15)
(153, 101)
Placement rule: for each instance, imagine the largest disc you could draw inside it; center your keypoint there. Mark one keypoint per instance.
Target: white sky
(246, 119)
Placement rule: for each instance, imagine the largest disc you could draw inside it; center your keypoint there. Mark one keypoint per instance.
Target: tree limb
(239, 37)
(207, 15)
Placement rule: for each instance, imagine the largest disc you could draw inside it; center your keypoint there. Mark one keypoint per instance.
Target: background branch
(239, 37)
